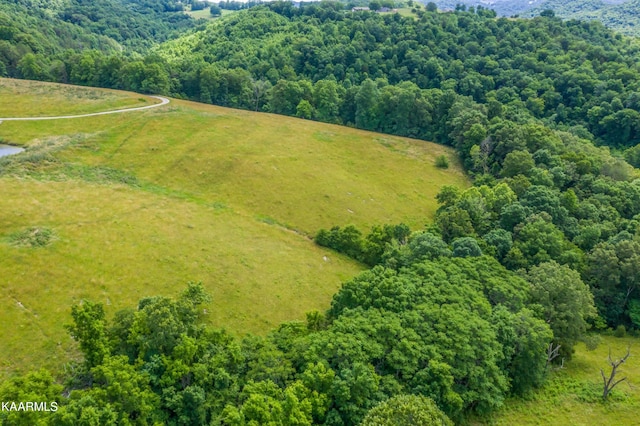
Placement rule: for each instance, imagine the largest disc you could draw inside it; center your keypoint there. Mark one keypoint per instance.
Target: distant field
(22, 98)
(407, 11)
(140, 203)
(206, 13)
(572, 396)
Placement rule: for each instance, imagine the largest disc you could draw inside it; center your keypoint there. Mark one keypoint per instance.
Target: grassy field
(408, 12)
(206, 13)
(21, 98)
(299, 174)
(573, 394)
(114, 244)
(115, 208)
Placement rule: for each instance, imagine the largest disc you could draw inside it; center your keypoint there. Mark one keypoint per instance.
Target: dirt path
(163, 101)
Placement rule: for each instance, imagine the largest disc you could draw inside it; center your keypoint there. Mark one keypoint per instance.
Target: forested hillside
(36, 35)
(622, 15)
(25, 32)
(320, 62)
(133, 24)
(463, 313)
(572, 74)
(502, 7)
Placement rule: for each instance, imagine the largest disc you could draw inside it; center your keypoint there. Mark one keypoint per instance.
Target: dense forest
(133, 24)
(40, 40)
(51, 27)
(545, 116)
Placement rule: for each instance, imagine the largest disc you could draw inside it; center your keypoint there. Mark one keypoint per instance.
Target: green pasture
(114, 244)
(206, 13)
(299, 174)
(114, 208)
(573, 394)
(23, 98)
(407, 12)
(200, 14)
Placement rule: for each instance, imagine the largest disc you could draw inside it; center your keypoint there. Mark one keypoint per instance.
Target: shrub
(592, 341)
(620, 331)
(442, 162)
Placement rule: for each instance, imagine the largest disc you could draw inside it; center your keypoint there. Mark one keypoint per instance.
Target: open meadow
(206, 13)
(24, 98)
(114, 208)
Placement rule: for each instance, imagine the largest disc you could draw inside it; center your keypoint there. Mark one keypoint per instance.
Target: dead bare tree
(486, 147)
(552, 353)
(611, 382)
(260, 87)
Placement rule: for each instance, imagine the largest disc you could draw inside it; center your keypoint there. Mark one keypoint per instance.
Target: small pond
(9, 150)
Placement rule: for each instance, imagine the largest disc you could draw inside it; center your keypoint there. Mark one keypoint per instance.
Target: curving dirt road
(163, 101)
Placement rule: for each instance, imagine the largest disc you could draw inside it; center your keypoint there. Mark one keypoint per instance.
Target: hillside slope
(502, 7)
(141, 203)
(33, 32)
(621, 16)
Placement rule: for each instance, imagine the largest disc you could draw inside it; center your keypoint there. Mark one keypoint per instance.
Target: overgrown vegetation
(442, 162)
(32, 237)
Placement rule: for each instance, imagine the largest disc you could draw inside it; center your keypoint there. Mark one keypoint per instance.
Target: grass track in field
(572, 395)
(142, 202)
(23, 98)
(302, 174)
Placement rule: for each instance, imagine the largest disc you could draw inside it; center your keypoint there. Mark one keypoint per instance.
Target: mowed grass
(23, 98)
(138, 204)
(573, 394)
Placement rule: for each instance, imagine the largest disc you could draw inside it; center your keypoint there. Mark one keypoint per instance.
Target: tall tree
(566, 301)
(406, 410)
